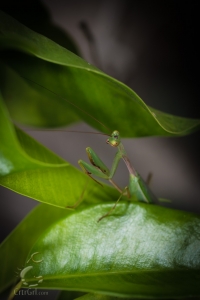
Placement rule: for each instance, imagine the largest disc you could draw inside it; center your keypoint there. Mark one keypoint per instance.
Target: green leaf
(48, 64)
(30, 169)
(30, 105)
(139, 251)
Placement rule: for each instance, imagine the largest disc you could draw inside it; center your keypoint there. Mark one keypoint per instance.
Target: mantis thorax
(115, 139)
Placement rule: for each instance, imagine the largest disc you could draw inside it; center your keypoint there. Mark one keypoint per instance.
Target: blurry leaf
(140, 251)
(98, 94)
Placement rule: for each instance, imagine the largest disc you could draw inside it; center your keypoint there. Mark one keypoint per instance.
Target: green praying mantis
(136, 190)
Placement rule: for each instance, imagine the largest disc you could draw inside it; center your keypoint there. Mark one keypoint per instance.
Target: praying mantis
(136, 190)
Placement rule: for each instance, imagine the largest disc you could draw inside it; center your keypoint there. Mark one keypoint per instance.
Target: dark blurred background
(152, 46)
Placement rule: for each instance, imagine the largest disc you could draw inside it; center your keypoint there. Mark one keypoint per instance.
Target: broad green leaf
(30, 105)
(15, 248)
(30, 169)
(37, 58)
(139, 251)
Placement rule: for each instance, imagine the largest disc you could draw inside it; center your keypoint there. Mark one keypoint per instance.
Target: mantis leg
(115, 163)
(81, 197)
(98, 168)
(114, 206)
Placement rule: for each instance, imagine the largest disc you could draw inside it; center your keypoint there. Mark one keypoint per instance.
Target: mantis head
(114, 140)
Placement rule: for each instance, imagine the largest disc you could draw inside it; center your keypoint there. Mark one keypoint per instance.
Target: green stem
(15, 290)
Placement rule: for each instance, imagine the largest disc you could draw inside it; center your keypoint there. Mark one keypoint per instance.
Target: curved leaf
(54, 67)
(140, 251)
(30, 169)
